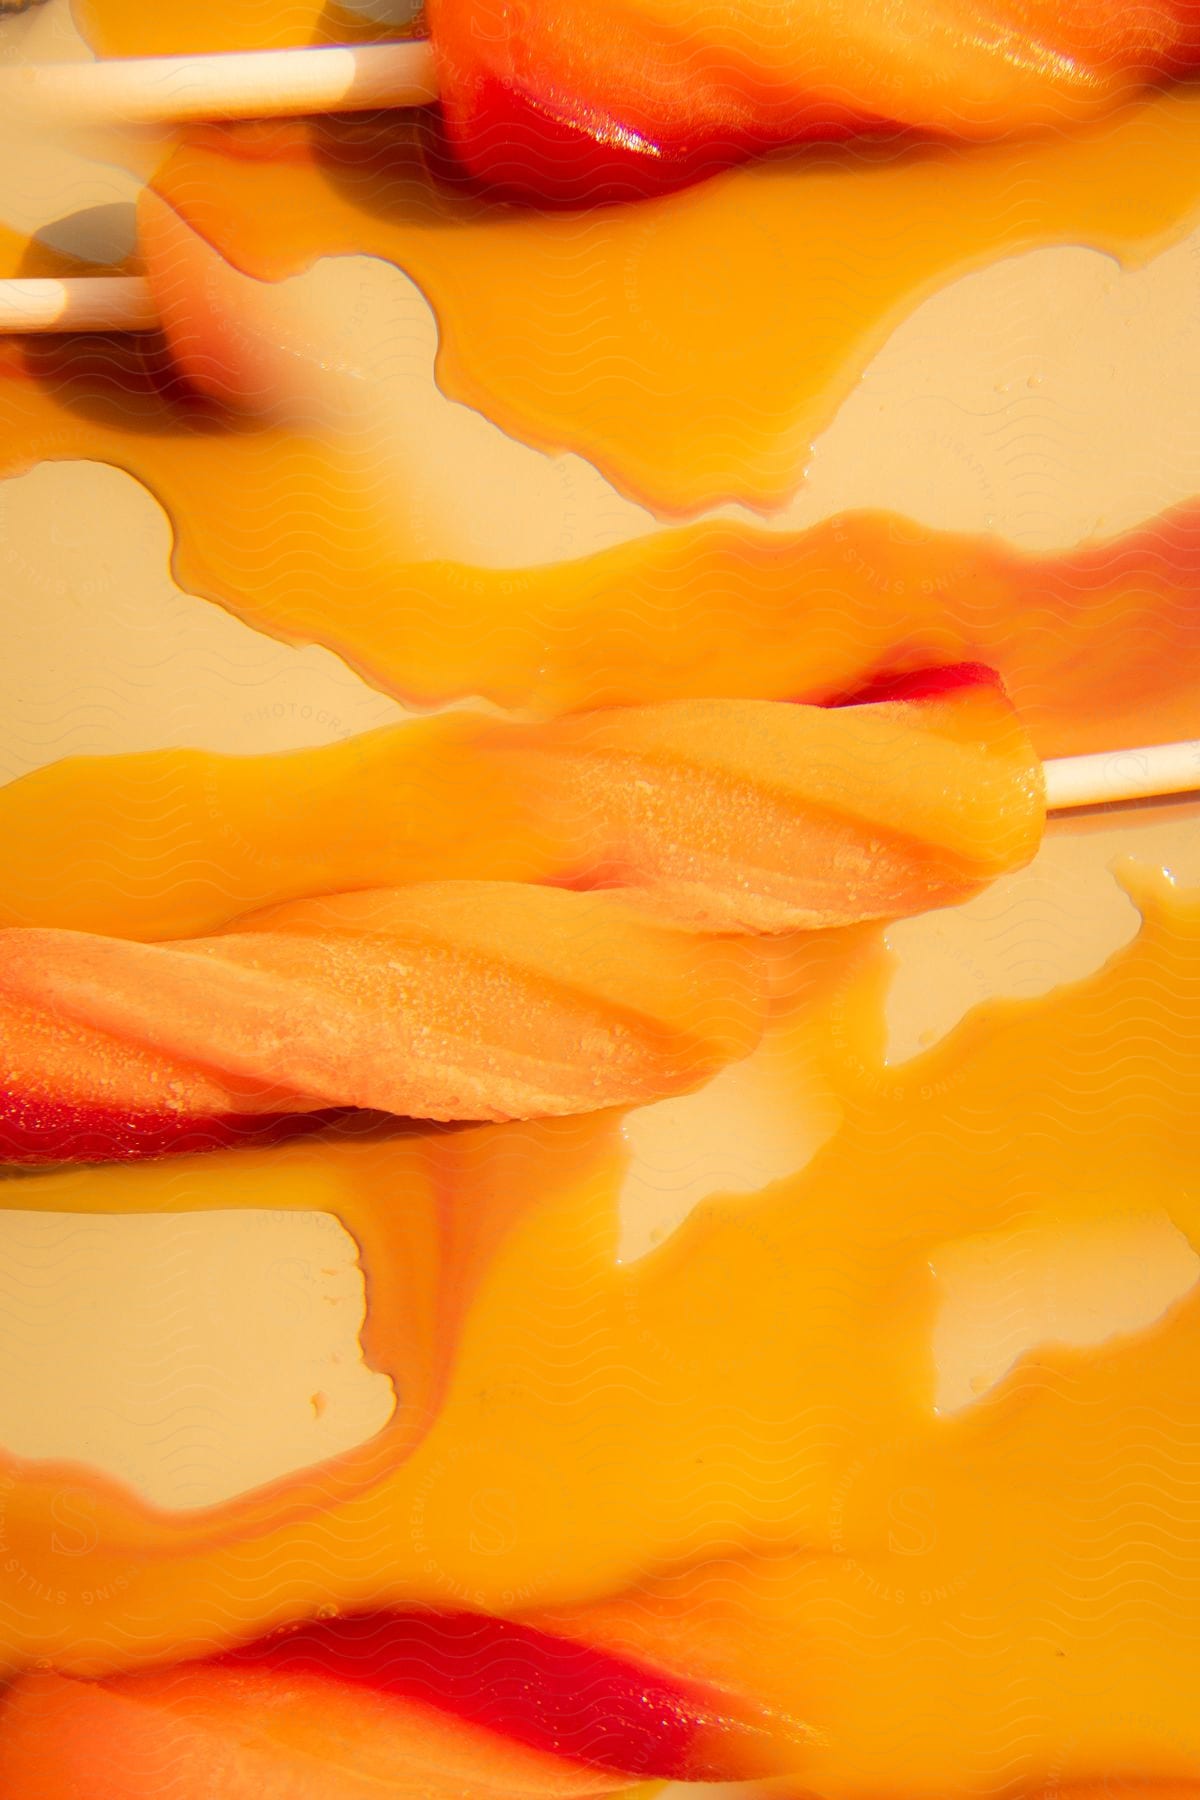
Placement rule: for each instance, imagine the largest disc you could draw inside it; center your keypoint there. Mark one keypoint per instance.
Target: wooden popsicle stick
(78, 303)
(1109, 777)
(250, 84)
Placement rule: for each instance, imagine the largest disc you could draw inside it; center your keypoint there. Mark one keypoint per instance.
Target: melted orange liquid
(304, 538)
(1097, 647)
(726, 1455)
(691, 347)
(177, 842)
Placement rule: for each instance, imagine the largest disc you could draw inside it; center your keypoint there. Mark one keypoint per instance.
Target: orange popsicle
(469, 1000)
(484, 999)
(417, 1705)
(700, 1451)
(581, 102)
(764, 816)
(746, 815)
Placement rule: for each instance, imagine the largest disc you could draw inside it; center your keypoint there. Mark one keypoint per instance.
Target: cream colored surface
(104, 653)
(1050, 397)
(1046, 398)
(747, 1128)
(205, 1354)
(1037, 1285)
(1053, 922)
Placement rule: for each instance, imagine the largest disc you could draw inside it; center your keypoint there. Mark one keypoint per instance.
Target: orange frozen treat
(420, 1706)
(579, 101)
(485, 999)
(701, 1450)
(453, 1000)
(762, 816)
(734, 814)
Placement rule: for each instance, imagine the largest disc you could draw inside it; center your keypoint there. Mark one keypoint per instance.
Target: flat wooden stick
(79, 303)
(1110, 777)
(250, 84)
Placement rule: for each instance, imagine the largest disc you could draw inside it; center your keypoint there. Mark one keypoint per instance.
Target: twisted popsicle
(765, 816)
(435, 1705)
(576, 102)
(481, 999)
(723, 814)
(442, 1001)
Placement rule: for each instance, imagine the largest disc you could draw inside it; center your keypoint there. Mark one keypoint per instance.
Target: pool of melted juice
(867, 1385)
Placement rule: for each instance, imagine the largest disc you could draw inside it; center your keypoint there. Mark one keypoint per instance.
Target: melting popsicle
(726, 814)
(470, 1000)
(427, 1705)
(703, 1447)
(578, 103)
(484, 999)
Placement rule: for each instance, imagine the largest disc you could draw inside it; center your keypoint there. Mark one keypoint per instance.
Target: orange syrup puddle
(690, 347)
(727, 1453)
(1097, 646)
(176, 843)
